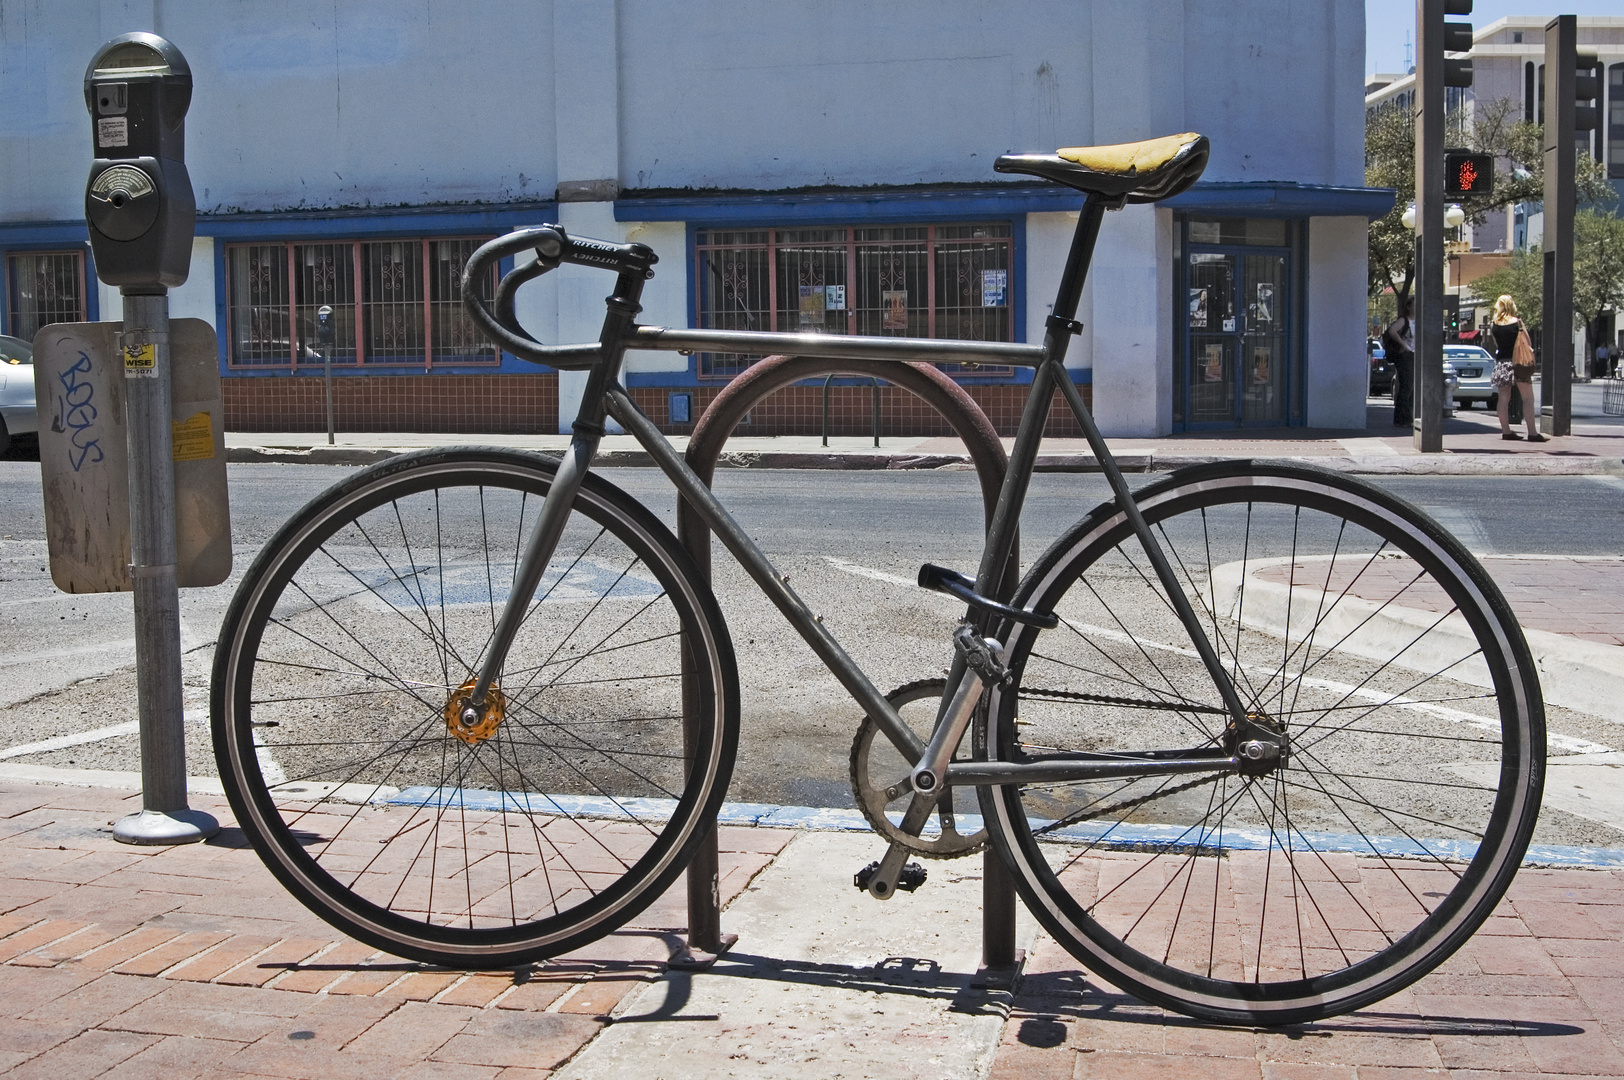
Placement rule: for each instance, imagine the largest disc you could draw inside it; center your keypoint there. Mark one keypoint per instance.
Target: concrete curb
(1136, 461)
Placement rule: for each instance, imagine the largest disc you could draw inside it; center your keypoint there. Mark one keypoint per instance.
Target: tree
(1598, 274)
(1598, 269)
(1522, 279)
(1492, 127)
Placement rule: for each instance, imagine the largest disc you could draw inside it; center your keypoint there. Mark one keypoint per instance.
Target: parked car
(1473, 366)
(16, 390)
(1381, 372)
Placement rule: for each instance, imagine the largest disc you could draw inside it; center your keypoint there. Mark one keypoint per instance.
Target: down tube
(756, 564)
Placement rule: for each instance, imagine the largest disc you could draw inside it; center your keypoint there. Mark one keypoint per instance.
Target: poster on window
(812, 299)
(1260, 366)
(834, 297)
(1263, 311)
(1198, 309)
(994, 284)
(894, 309)
(1213, 369)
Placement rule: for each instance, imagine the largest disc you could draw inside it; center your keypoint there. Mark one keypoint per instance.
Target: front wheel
(575, 799)
(1368, 646)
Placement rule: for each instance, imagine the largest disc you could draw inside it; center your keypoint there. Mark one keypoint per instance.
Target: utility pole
(1433, 72)
(1568, 90)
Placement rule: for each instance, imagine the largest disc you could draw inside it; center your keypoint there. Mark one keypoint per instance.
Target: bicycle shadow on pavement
(895, 975)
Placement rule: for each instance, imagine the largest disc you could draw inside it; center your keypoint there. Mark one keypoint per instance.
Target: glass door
(1262, 393)
(1236, 361)
(1214, 337)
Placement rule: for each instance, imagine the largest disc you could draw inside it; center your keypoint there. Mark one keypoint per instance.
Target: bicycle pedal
(912, 876)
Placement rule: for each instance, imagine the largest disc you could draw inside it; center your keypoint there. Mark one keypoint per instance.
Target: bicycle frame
(605, 397)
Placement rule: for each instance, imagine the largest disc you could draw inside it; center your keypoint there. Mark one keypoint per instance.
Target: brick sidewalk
(192, 962)
(1538, 992)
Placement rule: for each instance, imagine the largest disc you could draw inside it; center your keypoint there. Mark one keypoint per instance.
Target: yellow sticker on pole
(140, 361)
(193, 438)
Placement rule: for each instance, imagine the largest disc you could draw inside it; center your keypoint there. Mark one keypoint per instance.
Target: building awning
(856, 205)
(1284, 200)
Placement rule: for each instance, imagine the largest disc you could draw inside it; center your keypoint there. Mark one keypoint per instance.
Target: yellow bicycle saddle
(1147, 171)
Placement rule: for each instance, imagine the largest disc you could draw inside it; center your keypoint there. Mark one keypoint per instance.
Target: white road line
(78, 739)
(869, 572)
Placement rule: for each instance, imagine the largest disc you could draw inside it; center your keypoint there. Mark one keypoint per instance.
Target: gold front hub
(483, 723)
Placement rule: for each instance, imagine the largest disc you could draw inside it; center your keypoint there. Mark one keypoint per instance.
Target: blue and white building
(822, 165)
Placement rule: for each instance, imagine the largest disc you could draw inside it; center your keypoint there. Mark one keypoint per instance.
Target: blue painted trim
(15, 234)
(362, 224)
(849, 207)
(1283, 200)
(721, 209)
(1104, 835)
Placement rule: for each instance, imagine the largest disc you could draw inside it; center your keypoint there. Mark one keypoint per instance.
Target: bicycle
(1258, 742)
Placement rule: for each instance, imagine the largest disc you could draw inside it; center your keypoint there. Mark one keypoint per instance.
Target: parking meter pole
(164, 818)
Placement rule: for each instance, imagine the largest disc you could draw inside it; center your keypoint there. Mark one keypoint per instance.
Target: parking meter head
(324, 325)
(138, 202)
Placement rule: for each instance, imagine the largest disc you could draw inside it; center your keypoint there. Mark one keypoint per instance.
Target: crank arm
(883, 885)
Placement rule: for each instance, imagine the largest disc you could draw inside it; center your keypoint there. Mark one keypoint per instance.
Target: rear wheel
(571, 803)
(1370, 646)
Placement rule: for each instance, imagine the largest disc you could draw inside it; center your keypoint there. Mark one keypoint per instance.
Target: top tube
(839, 346)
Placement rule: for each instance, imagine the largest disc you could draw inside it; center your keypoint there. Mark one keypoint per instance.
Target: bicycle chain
(1132, 703)
(1123, 806)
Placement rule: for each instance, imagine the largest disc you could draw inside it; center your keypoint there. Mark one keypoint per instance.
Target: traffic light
(1586, 90)
(1457, 39)
(1468, 173)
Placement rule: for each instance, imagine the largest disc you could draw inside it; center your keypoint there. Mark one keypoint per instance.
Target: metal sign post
(324, 338)
(141, 213)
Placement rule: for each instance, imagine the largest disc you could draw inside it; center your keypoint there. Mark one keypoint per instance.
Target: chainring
(870, 790)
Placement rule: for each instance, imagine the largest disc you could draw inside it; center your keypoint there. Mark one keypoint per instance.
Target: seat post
(1062, 324)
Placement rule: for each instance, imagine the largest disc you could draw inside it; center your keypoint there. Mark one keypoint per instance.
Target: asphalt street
(851, 542)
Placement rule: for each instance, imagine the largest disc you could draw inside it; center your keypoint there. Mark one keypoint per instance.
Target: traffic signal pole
(1427, 379)
(1556, 332)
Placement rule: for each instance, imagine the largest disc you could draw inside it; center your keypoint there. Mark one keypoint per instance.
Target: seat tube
(622, 308)
(1028, 437)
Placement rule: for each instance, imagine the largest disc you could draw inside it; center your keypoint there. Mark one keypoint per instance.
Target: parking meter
(139, 202)
(324, 328)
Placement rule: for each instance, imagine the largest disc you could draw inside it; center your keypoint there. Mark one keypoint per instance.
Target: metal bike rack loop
(875, 383)
(999, 957)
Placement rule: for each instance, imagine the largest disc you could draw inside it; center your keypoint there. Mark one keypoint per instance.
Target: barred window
(941, 281)
(43, 287)
(393, 301)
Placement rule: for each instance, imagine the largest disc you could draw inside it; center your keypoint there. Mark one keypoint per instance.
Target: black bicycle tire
(1489, 874)
(716, 683)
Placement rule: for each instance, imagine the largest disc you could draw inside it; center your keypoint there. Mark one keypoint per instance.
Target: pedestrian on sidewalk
(1513, 368)
(1399, 341)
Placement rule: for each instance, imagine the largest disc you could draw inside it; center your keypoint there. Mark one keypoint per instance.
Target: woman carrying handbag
(1514, 368)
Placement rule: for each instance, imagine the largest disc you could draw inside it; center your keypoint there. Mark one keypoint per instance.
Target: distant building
(1508, 62)
(821, 165)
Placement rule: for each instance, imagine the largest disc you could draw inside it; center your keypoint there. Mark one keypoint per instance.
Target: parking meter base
(162, 827)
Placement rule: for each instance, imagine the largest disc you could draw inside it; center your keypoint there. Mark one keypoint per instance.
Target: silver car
(16, 390)
(1473, 365)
